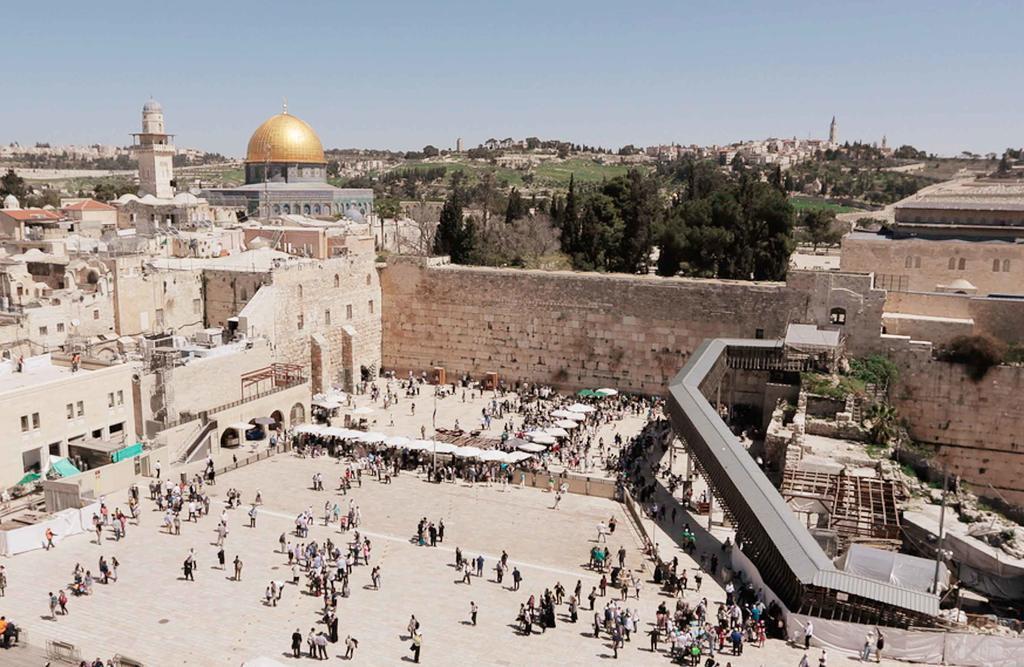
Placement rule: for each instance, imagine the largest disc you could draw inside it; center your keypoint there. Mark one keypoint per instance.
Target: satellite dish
(75, 323)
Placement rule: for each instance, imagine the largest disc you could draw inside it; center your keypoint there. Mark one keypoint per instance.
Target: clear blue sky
(942, 76)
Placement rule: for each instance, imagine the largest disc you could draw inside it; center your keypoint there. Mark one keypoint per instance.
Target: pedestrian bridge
(787, 556)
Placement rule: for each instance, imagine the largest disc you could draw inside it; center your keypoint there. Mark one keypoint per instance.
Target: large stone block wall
(937, 317)
(974, 425)
(587, 329)
(929, 262)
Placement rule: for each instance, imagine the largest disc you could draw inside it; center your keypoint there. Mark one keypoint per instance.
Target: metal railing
(241, 401)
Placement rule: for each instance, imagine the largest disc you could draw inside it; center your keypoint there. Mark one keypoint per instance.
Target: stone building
(286, 173)
(49, 410)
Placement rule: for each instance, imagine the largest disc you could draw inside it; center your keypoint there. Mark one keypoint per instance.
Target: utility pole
(942, 519)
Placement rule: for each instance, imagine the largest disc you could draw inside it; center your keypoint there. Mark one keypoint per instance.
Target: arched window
(287, 209)
(917, 262)
(1006, 265)
(961, 264)
(277, 209)
(300, 291)
(367, 278)
(337, 280)
(952, 263)
(909, 262)
(995, 264)
(305, 209)
(837, 316)
(316, 209)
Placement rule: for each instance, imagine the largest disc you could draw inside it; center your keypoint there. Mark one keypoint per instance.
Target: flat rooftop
(37, 370)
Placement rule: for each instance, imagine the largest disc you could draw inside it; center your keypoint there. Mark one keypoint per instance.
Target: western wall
(573, 330)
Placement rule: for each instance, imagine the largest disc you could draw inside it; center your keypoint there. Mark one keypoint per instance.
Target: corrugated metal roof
(800, 551)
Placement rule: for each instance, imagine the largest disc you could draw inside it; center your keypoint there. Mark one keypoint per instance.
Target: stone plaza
(153, 615)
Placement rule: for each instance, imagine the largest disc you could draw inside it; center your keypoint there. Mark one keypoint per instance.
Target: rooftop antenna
(284, 105)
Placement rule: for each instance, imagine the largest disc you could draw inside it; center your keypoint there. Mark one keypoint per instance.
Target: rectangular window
(60, 327)
(24, 422)
(371, 305)
(110, 399)
(80, 408)
(120, 397)
(95, 314)
(759, 333)
(348, 312)
(117, 428)
(71, 411)
(43, 331)
(327, 317)
(159, 318)
(197, 304)
(301, 322)
(35, 420)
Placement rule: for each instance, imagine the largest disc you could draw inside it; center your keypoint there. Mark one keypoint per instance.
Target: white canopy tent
(468, 452)
(557, 432)
(567, 424)
(582, 409)
(543, 439)
(532, 447)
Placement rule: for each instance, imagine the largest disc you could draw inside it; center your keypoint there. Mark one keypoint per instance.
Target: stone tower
(155, 153)
(833, 132)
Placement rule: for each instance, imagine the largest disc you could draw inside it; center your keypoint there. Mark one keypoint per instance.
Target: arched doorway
(231, 437)
(298, 414)
(278, 419)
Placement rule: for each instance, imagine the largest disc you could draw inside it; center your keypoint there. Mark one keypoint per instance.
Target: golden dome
(287, 139)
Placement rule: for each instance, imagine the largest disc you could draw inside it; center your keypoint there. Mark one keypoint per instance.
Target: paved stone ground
(152, 615)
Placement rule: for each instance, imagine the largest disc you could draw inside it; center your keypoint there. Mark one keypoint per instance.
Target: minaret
(885, 142)
(833, 132)
(155, 153)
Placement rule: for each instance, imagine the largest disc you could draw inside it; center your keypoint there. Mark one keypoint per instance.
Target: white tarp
(984, 650)
(895, 568)
(63, 524)
(842, 637)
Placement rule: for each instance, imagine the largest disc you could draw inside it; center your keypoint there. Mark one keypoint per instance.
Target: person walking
(189, 566)
(220, 557)
(517, 577)
(472, 612)
(417, 644)
(351, 644)
(53, 606)
(808, 635)
(252, 516)
(879, 645)
(297, 644)
(238, 568)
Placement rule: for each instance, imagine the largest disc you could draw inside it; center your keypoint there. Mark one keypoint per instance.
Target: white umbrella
(535, 433)
(607, 391)
(568, 424)
(544, 439)
(557, 432)
(532, 447)
(439, 447)
(468, 452)
(516, 457)
(371, 437)
(563, 414)
(397, 441)
(363, 411)
(580, 408)
(494, 455)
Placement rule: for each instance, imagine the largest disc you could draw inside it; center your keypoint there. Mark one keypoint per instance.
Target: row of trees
(703, 223)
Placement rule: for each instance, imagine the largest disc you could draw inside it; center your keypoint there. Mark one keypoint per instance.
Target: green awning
(31, 477)
(587, 393)
(64, 468)
(126, 452)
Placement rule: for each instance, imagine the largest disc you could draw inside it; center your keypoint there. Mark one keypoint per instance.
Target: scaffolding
(859, 509)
